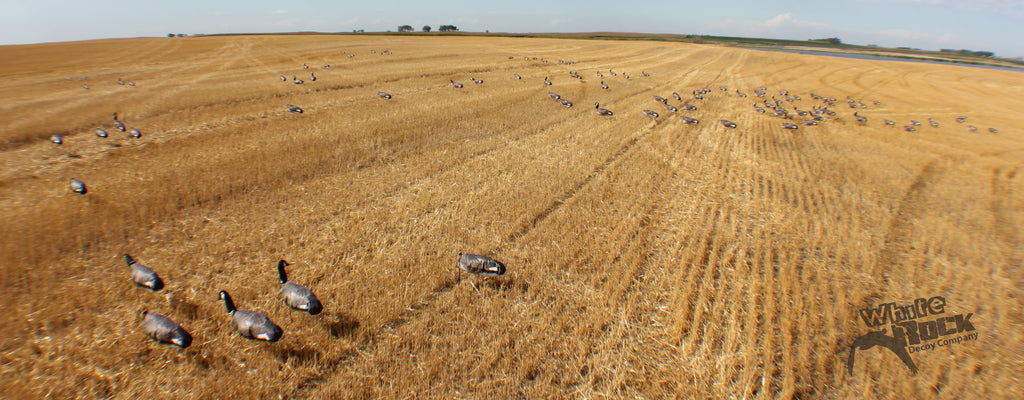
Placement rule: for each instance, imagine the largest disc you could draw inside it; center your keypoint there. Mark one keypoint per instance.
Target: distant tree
(405, 28)
(448, 28)
(829, 40)
(426, 28)
(181, 35)
(170, 35)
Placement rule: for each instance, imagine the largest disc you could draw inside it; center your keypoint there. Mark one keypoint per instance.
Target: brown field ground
(646, 257)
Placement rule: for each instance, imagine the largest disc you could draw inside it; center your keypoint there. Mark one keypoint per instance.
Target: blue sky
(992, 25)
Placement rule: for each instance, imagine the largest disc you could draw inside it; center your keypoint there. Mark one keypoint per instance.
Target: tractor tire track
(899, 229)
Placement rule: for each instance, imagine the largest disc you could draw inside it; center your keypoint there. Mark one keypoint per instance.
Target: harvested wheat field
(646, 257)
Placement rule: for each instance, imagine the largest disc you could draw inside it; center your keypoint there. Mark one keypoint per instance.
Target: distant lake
(884, 58)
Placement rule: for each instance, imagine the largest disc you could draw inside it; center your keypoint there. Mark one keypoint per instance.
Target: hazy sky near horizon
(991, 25)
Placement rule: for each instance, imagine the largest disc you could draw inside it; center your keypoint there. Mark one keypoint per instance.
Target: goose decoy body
(120, 125)
(78, 186)
(728, 123)
(294, 109)
(546, 81)
(100, 132)
(134, 133)
(477, 81)
(384, 95)
(251, 324)
(603, 85)
(455, 84)
(671, 108)
(517, 76)
(677, 96)
(165, 330)
(651, 114)
(554, 96)
(480, 265)
(565, 103)
(602, 111)
(810, 122)
(143, 276)
(691, 121)
(660, 99)
(788, 125)
(993, 130)
(284, 79)
(57, 139)
(297, 296)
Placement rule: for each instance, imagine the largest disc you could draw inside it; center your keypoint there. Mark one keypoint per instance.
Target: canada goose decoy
(914, 123)
(644, 73)
(691, 121)
(677, 96)
(690, 107)
(132, 84)
(741, 94)
(961, 119)
(384, 95)
(651, 114)
(993, 130)
(294, 109)
(660, 99)
(57, 139)
(860, 118)
(297, 296)
(604, 86)
(304, 66)
(312, 77)
(165, 330)
(788, 125)
(78, 186)
(909, 128)
(101, 132)
(298, 82)
(119, 81)
(933, 123)
(517, 76)
(134, 133)
(546, 81)
(284, 79)
(671, 108)
(120, 125)
(758, 109)
(144, 276)
(477, 81)
(602, 111)
(565, 103)
(599, 74)
(972, 128)
(455, 84)
(554, 96)
(251, 324)
(480, 265)
(728, 123)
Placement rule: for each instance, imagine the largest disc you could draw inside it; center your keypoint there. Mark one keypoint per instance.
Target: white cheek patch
(263, 336)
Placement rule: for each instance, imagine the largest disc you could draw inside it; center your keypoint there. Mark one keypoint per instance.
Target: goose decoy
(384, 95)
(728, 123)
(165, 330)
(677, 96)
(144, 276)
(651, 114)
(477, 81)
(690, 107)
(599, 74)
(299, 81)
(602, 111)
(810, 122)
(312, 77)
(455, 84)
(565, 103)
(603, 85)
(787, 125)
(972, 128)
(304, 66)
(57, 139)
(758, 109)
(101, 132)
(120, 125)
(134, 133)
(961, 119)
(644, 73)
(294, 109)
(691, 121)
(78, 186)
(517, 76)
(132, 84)
(480, 265)
(251, 324)
(909, 128)
(297, 296)
(660, 99)
(671, 108)
(741, 94)
(993, 130)
(860, 118)
(554, 96)
(284, 79)
(546, 81)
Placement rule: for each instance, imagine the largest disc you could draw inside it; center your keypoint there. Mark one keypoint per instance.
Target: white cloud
(279, 12)
(779, 20)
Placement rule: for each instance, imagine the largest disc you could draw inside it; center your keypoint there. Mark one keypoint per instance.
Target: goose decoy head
(228, 303)
(280, 270)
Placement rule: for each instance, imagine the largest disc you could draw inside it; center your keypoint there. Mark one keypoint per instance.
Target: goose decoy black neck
(280, 270)
(129, 260)
(228, 303)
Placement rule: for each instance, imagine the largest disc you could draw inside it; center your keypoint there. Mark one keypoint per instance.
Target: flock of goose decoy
(258, 326)
(255, 324)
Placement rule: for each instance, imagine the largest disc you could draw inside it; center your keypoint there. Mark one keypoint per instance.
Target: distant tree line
(834, 40)
(428, 28)
(965, 52)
